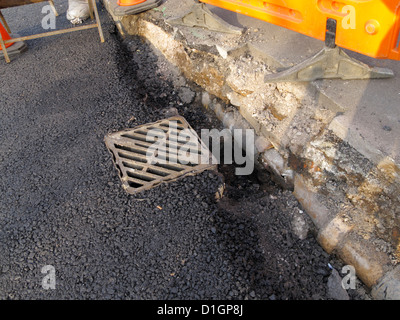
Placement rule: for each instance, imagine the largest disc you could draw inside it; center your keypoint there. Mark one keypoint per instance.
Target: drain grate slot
(139, 150)
(158, 152)
(134, 185)
(177, 127)
(169, 167)
(132, 165)
(158, 172)
(132, 157)
(140, 176)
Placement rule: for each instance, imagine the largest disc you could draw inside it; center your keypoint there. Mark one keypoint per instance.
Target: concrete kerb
(388, 288)
(336, 232)
(335, 236)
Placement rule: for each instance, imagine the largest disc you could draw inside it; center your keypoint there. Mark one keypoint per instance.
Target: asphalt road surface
(62, 207)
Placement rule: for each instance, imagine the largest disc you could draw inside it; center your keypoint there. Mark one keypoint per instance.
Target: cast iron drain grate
(163, 151)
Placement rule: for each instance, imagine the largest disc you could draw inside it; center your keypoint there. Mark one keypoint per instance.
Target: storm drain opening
(158, 152)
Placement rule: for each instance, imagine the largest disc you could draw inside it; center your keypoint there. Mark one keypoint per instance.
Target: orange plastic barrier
(129, 2)
(369, 27)
(5, 36)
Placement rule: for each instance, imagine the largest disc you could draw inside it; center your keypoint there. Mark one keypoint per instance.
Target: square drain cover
(150, 154)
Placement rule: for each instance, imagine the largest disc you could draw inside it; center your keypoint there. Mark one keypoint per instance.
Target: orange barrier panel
(369, 27)
(129, 2)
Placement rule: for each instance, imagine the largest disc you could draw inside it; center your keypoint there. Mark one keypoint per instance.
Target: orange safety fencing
(369, 27)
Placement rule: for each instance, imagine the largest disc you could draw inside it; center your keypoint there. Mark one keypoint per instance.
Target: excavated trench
(264, 229)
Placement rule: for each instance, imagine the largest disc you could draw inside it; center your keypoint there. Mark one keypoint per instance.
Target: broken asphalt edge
(338, 187)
